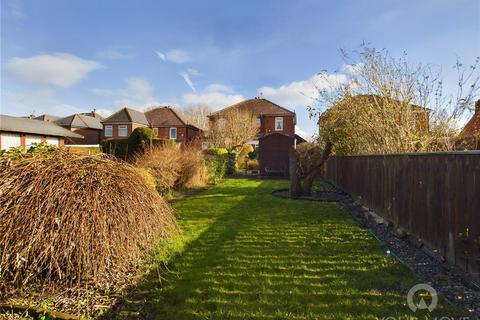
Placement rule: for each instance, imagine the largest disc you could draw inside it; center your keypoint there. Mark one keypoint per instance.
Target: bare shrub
(174, 167)
(71, 218)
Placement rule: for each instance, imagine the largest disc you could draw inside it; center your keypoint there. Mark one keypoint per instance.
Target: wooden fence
(434, 196)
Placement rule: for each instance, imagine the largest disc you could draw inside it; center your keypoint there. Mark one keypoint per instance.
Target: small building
(168, 124)
(86, 124)
(469, 137)
(122, 123)
(276, 133)
(23, 132)
(270, 117)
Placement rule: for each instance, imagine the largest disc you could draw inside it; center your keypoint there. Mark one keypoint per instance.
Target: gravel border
(452, 283)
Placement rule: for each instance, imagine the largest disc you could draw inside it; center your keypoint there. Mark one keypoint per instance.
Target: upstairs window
(221, 123)
(259, 122)
(278, 123)
(173, 133)
(122, 131)
(108, 131)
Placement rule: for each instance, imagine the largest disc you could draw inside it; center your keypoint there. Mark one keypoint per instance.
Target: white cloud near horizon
(302, 93)
(175, 56)
(57, 69)
(37, 102)
(222, 97)
(137, 93)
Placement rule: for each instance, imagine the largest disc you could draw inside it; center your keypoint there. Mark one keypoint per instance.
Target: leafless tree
(197, 115)
(232, 129)
(386, 105)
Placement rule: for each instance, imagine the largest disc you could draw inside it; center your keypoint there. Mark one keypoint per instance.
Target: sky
(61, 57)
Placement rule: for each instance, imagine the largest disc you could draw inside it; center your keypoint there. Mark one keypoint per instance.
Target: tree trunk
(295, 185)
(315, 170)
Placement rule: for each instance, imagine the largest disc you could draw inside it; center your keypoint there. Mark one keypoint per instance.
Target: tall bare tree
(197, 115)
(232, 129)
(387, 105)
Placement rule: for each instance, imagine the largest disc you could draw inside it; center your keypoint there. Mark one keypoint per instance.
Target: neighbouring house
(122, 123)
(421, 114)
(168, 124)
(88, 125)
(23, 132)
(469, 137)
(276, 133)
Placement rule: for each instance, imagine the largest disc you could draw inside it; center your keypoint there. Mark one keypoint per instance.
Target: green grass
(246, 254)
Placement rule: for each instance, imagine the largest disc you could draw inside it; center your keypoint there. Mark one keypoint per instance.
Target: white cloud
(57, 69)
(214, 100)
(137, 93)
(37, 101)
(113, 53)
(160, 55)
(218, 87)
(302, 93)
(188, 81)
(175, 56)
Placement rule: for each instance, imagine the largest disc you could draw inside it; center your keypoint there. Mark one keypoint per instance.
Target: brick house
(168, 124)
(421, 114)
(23, 132)
(122, 123)
(276, 133)
(469, 137)
(86, 124)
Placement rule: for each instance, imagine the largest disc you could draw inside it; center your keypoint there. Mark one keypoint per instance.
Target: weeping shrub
(72, 218)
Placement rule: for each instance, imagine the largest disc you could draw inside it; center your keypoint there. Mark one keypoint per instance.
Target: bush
(231, 162)
(75, 218)
(174, 168)
(116, 147)
(221, 152)
(140, 139)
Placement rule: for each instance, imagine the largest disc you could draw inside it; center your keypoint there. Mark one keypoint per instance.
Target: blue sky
(61, 57)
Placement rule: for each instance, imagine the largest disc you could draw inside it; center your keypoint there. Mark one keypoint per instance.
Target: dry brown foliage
(174, 167)
(74, 218)
(232, 129)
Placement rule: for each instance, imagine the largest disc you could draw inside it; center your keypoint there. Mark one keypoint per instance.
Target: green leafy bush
(231, 162)
(140, 139)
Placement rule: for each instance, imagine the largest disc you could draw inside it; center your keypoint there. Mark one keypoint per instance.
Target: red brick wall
(183, 134)
(91, 136)
(130, 128)
(268, 125)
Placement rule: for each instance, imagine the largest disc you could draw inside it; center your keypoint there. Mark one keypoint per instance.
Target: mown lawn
(246, 254)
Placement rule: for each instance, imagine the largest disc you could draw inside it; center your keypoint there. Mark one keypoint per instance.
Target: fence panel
(434, 196)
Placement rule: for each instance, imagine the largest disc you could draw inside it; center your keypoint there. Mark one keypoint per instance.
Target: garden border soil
(453, 284)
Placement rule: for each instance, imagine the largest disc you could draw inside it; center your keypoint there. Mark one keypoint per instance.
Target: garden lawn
(246, 254)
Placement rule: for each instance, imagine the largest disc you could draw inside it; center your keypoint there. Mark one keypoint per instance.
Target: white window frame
(122, 127)
(259, 122)
(109, 131)
(279, 120)
(221, 123)
(155, 130)
(170, 133)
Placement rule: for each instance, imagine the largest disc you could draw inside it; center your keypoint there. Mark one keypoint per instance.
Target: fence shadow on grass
(261, 257)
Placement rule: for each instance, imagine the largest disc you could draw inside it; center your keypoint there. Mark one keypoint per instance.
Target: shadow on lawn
(262, 257)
